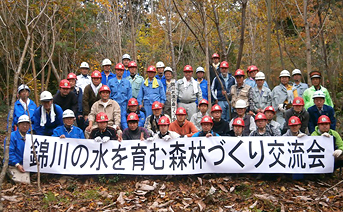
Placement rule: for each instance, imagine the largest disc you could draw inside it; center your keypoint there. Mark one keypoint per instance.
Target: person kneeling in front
(323, 129)
(16, 151)
(103, 132)
(68, 130)
(164, 132)
(206, 126)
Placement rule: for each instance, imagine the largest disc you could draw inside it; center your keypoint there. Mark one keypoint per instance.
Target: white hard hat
(285, 73)
(160, 64)
(46, 96)
(68, 114)
(200, 69)
(318, 94)
(106, 62)
(241, 104)
(84, 65)
(296, 71)
(168, 69)
(260, 76)
(23, 118)
(22, 87)
(126, 56)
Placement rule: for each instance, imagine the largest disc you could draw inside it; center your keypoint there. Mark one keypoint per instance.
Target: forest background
(46, 40)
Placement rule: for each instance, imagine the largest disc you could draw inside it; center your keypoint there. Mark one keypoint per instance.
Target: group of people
(121, 105)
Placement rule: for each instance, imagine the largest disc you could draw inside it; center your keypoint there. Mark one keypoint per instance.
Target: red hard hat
(151, 69)
(132, 117)
(224, 64)
(239, 72)
(64, 84)
(156, 105)
(252, 68)
(260, 116)
(238, 122)
(269, 108)
(132, 64)
(216, 108)
(298, 101)
(133, 102)
(324, 120)
(206, 119)
(187, 68)
(215, 55)
(71, 76)
(96, 74)
(163, 121)
(105, 88)
(119, 66)
(203, 101)
(294, 120)
(181, 111)
(101, 117)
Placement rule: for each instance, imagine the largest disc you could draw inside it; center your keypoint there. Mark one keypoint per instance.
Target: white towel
(96, 88)
(43, 115)
(24, 104)
(194, 83)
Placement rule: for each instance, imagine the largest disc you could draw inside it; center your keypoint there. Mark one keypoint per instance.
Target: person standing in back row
(188, 91)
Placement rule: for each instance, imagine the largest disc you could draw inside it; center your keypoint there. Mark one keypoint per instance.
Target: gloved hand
(150, 139)
(337, 153)
(98, 139)
(300, 135)
(105, 139)
(119, 132)
(151, 133)
(326, 135)
(167, 138)
(280, 107)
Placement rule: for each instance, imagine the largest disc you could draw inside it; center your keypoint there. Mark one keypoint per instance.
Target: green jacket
(337, 138)
(308, 93)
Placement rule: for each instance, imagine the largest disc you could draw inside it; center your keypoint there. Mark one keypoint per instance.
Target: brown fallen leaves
(216, 192)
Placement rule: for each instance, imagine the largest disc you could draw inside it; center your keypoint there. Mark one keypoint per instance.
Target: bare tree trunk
(32, 54)
(280, 48)
(133, 33)
(308, 42)
(47, 79)
(220, 33)
(207, 55)
(7, 83)
(268, 44)
(241, 45)
(168, 7)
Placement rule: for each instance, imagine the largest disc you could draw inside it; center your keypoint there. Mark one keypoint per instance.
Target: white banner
(310, 154)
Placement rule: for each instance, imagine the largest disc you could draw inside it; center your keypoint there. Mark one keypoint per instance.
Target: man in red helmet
(91, 94)
(188, 91)
(273, 125)
(323, 129)
(238, 127)
(294, 124)
(64, 98)
(262, 127)
(164, 132)
(135, 79)
(108, 106)
(152, 90)
(120, 88)
(72, 78)
(181, 125)
(299, 111)
(134, 132)
(241, 91)
(103, 132)
(206, 128)
(220, 126)
(252, 71)
(214, 67)
(132, 107)
(221, 87)
(203, 111)
(151, 122)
